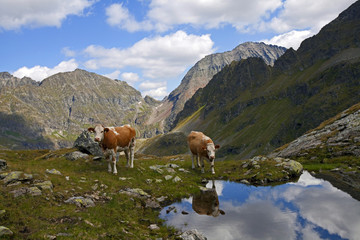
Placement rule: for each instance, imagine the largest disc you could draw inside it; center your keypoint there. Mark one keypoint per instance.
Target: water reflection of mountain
(309, 209)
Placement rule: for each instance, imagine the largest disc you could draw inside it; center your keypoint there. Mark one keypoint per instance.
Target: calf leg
(117, 156)
(127, 157)
(114, 162)
(192, 158)
(202, 164)
(198, 161)
(212, 162)
(109, 163)
(132, 151)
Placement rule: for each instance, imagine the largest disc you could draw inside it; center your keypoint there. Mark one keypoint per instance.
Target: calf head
(210, 150)
(99, 131)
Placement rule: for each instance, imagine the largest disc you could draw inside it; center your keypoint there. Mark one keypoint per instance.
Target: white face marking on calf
(210, 148)
(99, 133)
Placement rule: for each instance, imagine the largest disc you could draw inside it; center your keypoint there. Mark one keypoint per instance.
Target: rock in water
(87, 145)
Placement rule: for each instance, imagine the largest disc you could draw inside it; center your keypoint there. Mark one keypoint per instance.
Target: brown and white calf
(114, 140)
(201, 146)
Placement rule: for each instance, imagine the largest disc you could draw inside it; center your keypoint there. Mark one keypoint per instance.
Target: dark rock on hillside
(3, 164)
(86, 144)
(151, 101)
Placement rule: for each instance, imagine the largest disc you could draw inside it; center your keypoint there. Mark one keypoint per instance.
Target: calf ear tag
(91, 129)
(106, 129)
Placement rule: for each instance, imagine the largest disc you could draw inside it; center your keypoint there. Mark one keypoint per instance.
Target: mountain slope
(337, 136)
(61, 106)
(251, 108)
(202, 72)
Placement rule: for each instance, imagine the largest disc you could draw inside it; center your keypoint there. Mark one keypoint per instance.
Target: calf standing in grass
(202, 146)
(114, 140)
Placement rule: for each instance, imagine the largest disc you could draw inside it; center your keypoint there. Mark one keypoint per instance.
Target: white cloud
(114, 75)
(39, 73)
(165, 14)
(119, 16)
(299, 20)
(210, 14)
(156, 90)
(150, 85)
(293, 20)
(15, 14)
(158, 93)
(130, 77)
(68, 52)
(307, 14)
(159, 57)
(290, 39)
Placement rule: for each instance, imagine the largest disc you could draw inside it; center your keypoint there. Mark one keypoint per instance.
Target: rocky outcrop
(202, 72)
(338, 136)
(86, 144)
(8, 80)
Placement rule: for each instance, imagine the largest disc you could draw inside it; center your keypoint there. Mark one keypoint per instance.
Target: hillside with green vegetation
(250, 108)
(53, 113)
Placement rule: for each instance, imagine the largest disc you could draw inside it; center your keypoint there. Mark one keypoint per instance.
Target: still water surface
(308, 209)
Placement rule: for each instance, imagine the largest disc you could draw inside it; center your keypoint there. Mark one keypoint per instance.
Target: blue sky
(150, 44)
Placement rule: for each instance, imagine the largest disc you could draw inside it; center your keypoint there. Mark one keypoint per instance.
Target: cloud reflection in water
(309, 209)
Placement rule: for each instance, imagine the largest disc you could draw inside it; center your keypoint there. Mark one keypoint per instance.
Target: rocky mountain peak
(8, 80)
(202, 72)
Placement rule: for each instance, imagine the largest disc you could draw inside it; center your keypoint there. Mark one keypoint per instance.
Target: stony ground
(67, 194)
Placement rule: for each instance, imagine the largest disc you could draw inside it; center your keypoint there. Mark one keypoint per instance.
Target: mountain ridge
(61, 106)
(202, 72)
(310, 83)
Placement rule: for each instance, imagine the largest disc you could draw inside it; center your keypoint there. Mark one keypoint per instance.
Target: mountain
(7, 80)
(202, 72)
(53, 113)
(251, 108)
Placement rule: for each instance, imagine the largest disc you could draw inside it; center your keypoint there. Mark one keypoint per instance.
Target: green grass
(116, 215)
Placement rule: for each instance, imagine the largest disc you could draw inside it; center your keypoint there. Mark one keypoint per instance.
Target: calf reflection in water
(207, 202)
